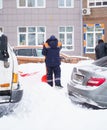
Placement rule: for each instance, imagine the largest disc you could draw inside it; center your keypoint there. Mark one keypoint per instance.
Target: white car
(88, 84)
(10, 89)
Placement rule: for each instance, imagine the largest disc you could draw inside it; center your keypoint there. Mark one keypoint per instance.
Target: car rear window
(102, 62)
(29, 52)
(24, 52)
(39, 52)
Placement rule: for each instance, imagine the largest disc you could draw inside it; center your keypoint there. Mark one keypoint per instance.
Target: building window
(65, 3)
(31, 35)
(97, 3)
(66, 37)
(92, 33)
(1, 4)
(31, 3)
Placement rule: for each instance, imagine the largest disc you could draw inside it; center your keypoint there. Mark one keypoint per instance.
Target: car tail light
(95, 81)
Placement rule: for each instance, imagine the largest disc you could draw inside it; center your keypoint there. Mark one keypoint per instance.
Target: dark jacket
(106, 49)
(100, 50)
(51, 50)
(3, 48)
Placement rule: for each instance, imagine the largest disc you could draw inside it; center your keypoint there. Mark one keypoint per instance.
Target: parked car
(88, 84)
(11, 91)
(26, 54)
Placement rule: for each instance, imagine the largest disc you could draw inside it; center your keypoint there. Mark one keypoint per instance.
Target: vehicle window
(39, 52)
(25, 52)
(34, 52)
(101, 62)
(28, 52)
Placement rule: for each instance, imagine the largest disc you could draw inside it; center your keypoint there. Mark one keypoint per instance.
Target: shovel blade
(44, 78)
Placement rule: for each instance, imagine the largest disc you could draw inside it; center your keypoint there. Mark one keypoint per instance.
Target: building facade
(31, 22)
(94, 24)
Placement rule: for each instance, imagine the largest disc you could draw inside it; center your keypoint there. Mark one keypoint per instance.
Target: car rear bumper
(16, 96)
(91, 97)
(9, 96)
(9, 100)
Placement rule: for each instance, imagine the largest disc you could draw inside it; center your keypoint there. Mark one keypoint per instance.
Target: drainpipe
(81, 17)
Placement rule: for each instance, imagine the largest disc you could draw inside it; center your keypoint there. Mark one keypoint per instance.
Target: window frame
(65, 6)
(64, 46)
(1, 4)
(35, 6)
(26, 33)
(95, 2)
(94, 32)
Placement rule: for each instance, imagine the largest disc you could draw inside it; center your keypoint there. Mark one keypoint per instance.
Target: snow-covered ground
(49, 108)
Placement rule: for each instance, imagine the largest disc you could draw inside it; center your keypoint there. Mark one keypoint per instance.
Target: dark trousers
(54, 72)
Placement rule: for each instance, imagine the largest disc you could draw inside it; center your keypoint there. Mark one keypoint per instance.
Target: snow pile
(49, 108)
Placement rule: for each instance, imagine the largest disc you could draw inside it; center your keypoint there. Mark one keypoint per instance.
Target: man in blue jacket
(51, 51)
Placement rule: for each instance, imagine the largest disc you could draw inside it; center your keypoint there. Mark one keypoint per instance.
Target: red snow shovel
(44, 78)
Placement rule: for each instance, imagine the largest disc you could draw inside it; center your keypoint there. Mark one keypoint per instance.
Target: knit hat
(52, 37)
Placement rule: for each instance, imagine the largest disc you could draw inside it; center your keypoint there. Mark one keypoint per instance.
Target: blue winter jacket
(51, 51)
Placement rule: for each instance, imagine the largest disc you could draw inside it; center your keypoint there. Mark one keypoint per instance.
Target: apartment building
(31, 22)
(94, 24)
